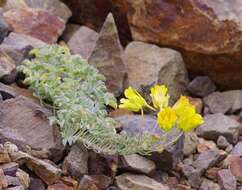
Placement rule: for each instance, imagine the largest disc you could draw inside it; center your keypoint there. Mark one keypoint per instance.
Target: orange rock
(197, 102)
(59, 186)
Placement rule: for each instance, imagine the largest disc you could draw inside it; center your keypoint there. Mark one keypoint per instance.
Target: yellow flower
(167, 118)
(133, 101)
(160, 97)
(188, 119)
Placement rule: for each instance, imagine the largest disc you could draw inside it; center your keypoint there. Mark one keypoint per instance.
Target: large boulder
(208, 33)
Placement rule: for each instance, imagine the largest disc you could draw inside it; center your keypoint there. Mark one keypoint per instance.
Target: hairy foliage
(79, 98)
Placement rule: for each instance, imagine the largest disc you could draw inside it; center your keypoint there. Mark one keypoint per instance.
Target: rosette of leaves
(78, 95)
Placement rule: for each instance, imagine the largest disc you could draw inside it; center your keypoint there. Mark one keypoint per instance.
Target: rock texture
(83, 42)
(148, 64)
(36, 23)
(108, 57)
(208, 33)
(36, 133)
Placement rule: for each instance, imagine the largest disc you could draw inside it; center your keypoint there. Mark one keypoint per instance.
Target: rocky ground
(208, 46)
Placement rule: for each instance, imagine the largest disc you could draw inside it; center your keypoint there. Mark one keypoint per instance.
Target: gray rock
(222, 142)
(148, 64)
(226, 180)
(224, 102)
(3, 28)
(16, 188)
(190, 143)
(13, 181)
(108, 56)
(17, 46)
(26, 124)
(128, 181)
(193, 175)
(209, 185)
(83, 42)
(36, 184)
(201, 86)
(135, 124)
(76, 163)
(69, 31)
(216, 103)
(208, 159)
(137, 163)
(7, 68)
(216, 125)
(237, 150)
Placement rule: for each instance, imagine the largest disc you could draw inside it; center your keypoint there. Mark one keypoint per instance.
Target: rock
(24, 178)
(209, 185)
(83, 42)
(100, 181)
(70, 182)
(36, 23)
(155, 65)
(3, 180)
(16, 188)
(59, 186)
(235, 163)
(36, 184)
(54, 7)
(212, 173)
(226, 180)
(222, 142)
(69, 31)
(13, 181)
(201, 86)
(214, 23)
(216, 125)
(223, 102)
(193, 175)
(197, 102)
(165, 160)
(49, 173)
(4, 156)
(76, 163)
(128, 181)
(229, 148)
(108, 56)
(17, 46)
(190, 143)
(137, 163)
(3, 28)
(208, 159)
(7, 68)
(204, 145)
(26, 124)
(87, 183)
(10, 169)
(237, 150)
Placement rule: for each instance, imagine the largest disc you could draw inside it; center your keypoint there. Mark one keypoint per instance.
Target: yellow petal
(167, 119)
(160, 97)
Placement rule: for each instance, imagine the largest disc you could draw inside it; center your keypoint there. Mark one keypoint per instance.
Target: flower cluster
(181, 115)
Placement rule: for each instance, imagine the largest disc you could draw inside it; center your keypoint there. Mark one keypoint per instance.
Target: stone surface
(36, 23)
(205, 145)
(26, 124)
(3, 180)
(10, 168)
(13, 181)
(36, 184)
(133, 125)
(69, 31)
(193, 175)
(87, 183)
(197, 102)
(209, 185)
(208, 159)
(237, 150)
(7, 68)
(59, 186)
(212, 173)
(226, 180)
(137, 163)
(3, 28)
(235, 166)
(222, 142)
(190, 143)
(23, 178)
(155, 65)
(201, 86)
(76, 163)
(108, 57)
(128, 181)
(210, 41)
(216, 125)
(4, 156)
(83, 42)
(17, 46)
(223, 102)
